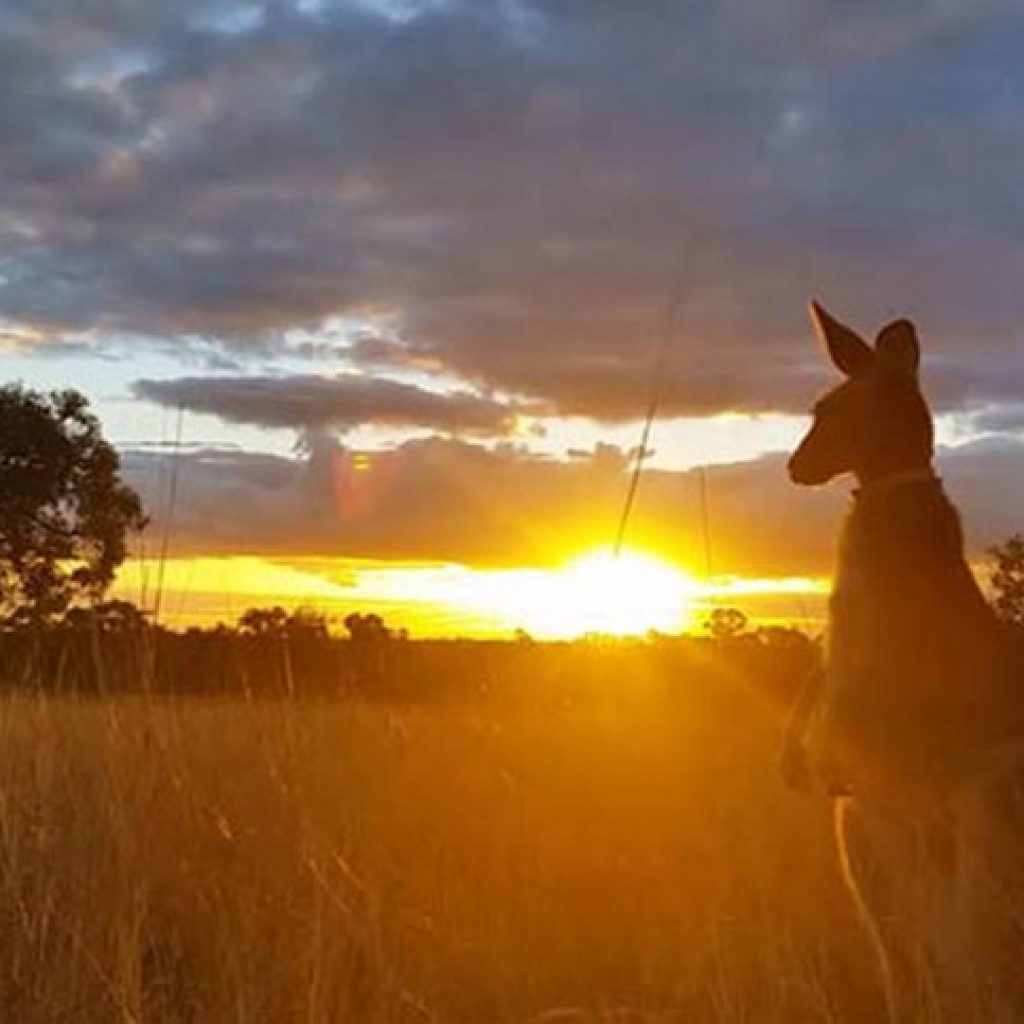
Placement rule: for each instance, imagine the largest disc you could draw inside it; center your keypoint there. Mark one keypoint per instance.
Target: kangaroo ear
(898, 348)
(846, 348)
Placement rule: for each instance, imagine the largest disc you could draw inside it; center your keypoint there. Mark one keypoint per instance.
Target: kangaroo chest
(914, 672)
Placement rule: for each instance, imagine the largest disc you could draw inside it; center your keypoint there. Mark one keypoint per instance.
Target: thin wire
(172, 502)
(657, 382)
(705, 524)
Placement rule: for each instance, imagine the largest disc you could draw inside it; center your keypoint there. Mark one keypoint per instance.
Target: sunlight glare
(595, 593)
(622, 595)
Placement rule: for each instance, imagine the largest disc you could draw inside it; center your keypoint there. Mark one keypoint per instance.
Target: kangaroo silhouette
(914, 724)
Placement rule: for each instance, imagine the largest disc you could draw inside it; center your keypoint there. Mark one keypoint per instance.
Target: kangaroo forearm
(805, 702)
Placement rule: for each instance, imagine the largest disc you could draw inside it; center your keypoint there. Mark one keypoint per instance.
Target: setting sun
(600, 592)
(621, 595)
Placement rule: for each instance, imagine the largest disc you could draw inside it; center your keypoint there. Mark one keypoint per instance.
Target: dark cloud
(349, 400)
(1000, 419)
(521, 181)
(986, 479)
(451, 501)
(448, 500)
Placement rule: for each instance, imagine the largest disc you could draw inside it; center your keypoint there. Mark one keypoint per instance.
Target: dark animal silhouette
(914, 724)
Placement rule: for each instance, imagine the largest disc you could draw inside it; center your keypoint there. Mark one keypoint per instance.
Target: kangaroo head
(876, 422)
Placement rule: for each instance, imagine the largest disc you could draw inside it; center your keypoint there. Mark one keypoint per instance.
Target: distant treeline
(114, 648)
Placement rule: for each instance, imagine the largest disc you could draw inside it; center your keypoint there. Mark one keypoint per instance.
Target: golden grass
(189, 860)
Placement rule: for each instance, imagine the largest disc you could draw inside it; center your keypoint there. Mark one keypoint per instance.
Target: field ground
(632, 859)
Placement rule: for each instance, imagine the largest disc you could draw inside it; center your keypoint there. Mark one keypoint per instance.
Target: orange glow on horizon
(595, 593)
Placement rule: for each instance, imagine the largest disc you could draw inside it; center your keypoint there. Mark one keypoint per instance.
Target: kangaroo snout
(802, 472)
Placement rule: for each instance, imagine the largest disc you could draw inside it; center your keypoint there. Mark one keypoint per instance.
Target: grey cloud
(516, 180)
(349, 400)
(998, 419)
(452, 501)
(433, 499)
(986, 479)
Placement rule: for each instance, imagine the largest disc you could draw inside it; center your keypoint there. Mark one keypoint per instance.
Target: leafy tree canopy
(65, 513)
(726, 623)
(1008, 579)
(301, 624)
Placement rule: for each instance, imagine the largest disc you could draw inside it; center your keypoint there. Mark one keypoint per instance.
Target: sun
(618, 595)
(624, 594)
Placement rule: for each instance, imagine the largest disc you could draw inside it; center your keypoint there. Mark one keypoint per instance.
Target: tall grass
(179, 859)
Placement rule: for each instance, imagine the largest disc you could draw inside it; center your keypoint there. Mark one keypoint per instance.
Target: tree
(366, 629)
(65, 513)
(726, 623)
(307, 625)
(369, 641)
(303, 624)
(108, 617)
(1007, 579)
(263, 621)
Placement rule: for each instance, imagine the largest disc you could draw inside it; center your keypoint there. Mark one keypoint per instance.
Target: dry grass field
(629, 859)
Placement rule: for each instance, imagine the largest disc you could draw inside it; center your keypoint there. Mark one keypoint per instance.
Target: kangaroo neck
(876, 484)
(901, 524)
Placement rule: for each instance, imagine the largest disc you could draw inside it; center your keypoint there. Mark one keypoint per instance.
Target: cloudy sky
(389, 275)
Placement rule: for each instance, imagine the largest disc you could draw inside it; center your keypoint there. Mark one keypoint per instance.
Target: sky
(379, 285)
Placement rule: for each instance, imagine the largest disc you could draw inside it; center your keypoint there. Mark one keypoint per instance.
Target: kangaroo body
(918, 714)
(917, 682)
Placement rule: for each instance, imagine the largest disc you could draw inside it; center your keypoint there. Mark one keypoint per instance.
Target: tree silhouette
(366, 629)
(369, 641)
(1007, 579)
(263, 621)
(307, 625)
(64, 512)
(108, 617)
(726, 623)
(303, 624)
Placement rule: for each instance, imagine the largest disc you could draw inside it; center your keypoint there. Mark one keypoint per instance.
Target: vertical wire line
(172, 501)
(705, 525)
(655, 387)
